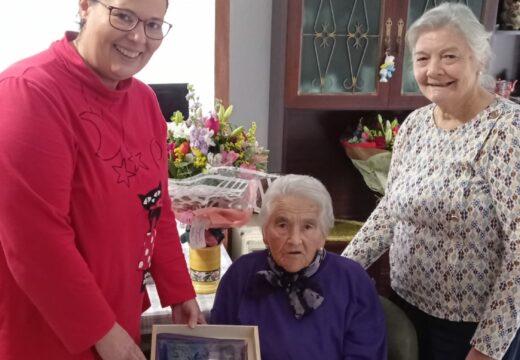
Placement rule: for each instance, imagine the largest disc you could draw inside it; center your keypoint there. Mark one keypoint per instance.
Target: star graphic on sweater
(137, 159)
(123, 174)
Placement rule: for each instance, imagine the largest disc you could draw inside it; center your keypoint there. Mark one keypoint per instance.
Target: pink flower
(212, 123)
(260, 159)
(229, 157)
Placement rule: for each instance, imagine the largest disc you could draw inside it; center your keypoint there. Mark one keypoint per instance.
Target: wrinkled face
(292, 232)
(445, 68)
(113, 54)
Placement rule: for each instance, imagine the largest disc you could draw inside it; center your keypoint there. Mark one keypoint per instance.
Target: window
(185, 56)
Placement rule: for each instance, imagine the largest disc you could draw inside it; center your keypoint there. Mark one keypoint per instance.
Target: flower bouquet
(204, 141)
(217, 176)
(370, 151)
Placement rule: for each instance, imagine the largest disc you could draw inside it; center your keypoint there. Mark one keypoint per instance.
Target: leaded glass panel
(340, 46)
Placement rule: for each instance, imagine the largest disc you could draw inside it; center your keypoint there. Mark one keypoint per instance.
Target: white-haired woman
(451, 212)
(307, 303)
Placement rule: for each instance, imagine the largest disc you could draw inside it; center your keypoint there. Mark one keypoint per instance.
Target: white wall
(24, 31)
(250, 52)
(506, 56)
(186, 54)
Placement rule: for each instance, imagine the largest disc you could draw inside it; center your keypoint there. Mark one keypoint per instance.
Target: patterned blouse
(451, 219)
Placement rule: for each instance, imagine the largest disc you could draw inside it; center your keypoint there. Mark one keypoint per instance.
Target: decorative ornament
(387, 68)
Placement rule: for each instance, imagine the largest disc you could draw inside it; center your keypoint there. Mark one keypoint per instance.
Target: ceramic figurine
(387, 68)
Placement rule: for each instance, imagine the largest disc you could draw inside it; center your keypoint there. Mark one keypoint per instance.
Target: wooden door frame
(222, 28)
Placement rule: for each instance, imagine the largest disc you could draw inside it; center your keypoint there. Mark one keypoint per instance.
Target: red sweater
(83, 205)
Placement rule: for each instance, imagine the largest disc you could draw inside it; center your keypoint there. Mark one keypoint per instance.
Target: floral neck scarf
(302, 298)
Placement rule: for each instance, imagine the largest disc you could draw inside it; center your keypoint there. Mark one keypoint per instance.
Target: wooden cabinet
(325, 62)
(335, 48)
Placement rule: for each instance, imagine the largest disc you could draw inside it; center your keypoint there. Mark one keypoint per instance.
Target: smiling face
(445, 68)
(292, 232)
(113, 54)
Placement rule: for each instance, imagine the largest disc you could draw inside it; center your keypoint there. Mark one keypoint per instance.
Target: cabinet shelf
(507, 32)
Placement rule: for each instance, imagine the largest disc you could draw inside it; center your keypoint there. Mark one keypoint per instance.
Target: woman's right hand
(118, 345)
(474, 354)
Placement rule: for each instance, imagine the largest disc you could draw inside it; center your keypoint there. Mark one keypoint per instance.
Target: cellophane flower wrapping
(222, 197)
(370, 151)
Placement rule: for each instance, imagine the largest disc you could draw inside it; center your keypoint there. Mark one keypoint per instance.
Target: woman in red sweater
(84, 211)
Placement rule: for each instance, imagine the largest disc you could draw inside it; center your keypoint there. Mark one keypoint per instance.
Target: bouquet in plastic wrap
(213, 167)
(370, 150)
(221, 197)
(216, 173)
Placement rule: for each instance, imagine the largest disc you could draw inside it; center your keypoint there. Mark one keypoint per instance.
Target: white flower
(179, 131)
(214, 160)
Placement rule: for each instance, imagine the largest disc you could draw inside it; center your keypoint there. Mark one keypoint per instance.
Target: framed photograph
(205, 342)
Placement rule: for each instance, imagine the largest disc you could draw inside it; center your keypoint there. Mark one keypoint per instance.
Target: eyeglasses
(127, 20)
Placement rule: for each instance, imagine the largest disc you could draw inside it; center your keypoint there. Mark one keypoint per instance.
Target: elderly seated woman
(307, 303)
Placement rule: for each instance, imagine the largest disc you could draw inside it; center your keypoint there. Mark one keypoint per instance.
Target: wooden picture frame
(213, 334)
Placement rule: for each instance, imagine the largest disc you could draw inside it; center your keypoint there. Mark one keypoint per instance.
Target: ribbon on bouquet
(214, 218)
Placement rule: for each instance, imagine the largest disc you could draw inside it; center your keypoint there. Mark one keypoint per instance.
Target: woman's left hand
(188, 312)
(474, 354)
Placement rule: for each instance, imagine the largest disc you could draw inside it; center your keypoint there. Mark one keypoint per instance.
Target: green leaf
(221, 110)
(388, 135)
(228, 112)
(237, 131)
(380, 120)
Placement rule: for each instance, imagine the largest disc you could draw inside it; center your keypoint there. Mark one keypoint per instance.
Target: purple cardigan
(349, 324)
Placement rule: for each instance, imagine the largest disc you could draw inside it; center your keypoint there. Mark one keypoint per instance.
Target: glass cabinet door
(415, 9)
(335, 48)
(339, 46)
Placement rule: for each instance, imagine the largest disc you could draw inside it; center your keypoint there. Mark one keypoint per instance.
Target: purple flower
(201, 138)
